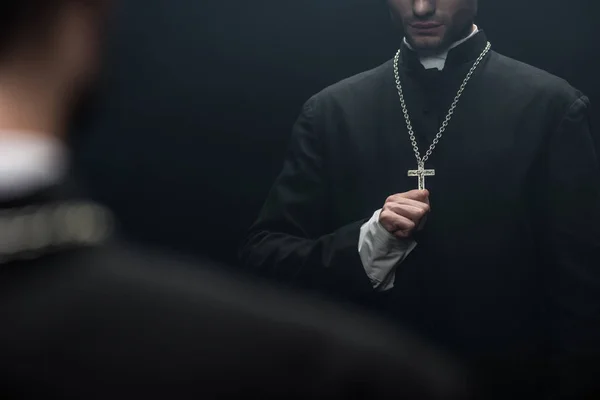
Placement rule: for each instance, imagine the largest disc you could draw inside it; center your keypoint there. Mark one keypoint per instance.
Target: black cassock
(508, 264)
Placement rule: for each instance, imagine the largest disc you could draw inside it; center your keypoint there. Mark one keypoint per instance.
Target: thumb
(425, 195)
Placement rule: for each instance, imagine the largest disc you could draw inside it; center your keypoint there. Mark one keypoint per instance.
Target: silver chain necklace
(421, 172)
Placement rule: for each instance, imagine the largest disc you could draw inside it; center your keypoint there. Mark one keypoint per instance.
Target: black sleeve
(291, 241)
(568, 206)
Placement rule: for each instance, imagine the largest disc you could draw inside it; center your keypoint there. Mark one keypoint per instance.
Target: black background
(199, 97)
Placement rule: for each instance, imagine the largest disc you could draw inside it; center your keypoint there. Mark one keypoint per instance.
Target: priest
(454, 186)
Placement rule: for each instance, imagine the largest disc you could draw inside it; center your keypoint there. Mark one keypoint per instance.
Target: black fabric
(118, 322)
(69, 188)
(508, 265)
(294, 235)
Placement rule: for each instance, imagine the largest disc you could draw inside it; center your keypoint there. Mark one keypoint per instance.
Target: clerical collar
(29, 163)
(439, 60)
(462, 51)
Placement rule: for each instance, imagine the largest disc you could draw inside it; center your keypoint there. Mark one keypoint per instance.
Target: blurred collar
(29, 163)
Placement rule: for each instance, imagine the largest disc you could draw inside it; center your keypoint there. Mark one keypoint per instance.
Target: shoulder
(361, 88)
(179, 291)
(135, 301)
(535, 83)
(364, 82)
(126, 264)
(205, 290)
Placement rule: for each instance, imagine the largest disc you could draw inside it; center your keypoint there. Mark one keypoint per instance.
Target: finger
(419, 195)
(403, 234)
(413, 213)
(425, 195)
(416, 195)
(421, 224)
(393, 222)
(406, 231)
(401, 201)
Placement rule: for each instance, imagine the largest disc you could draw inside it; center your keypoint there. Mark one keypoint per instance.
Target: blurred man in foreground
(83, 317)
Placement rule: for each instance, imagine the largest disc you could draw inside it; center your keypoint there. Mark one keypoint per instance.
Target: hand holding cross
(404, 213)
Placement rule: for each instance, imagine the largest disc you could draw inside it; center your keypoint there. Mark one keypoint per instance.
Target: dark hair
(20, 18)
(24, 19)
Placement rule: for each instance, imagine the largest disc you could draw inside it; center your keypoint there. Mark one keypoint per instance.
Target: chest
(482, 157)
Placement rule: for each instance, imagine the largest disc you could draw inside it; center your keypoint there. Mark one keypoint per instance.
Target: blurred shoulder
(201, 285)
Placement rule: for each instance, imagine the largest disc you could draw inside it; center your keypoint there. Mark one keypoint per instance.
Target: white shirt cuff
(381, 252)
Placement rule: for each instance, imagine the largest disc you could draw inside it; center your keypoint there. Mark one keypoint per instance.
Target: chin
(426, 43)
